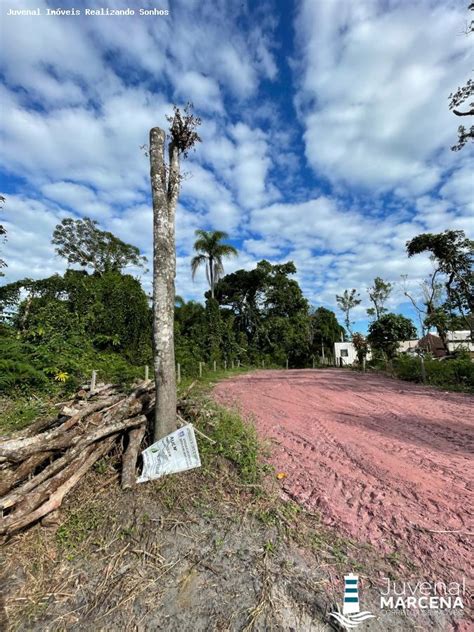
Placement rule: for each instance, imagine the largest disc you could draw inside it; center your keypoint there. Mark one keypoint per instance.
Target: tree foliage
(267, 312)
(325, 329)
(386, 333)
(82, 242)
(183, 126)
(361, 345)
(453, 254)
(378, 295)
(211, 252)
(77, 322)
(347, 302)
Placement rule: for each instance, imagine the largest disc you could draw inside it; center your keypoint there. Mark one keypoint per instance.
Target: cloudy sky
(325, 139)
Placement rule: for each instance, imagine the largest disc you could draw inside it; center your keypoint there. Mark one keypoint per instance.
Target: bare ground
(202, 551)
(385, 462)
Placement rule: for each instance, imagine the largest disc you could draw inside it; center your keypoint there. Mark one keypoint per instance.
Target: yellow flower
(61, 376)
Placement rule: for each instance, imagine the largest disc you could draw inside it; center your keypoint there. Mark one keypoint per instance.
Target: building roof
(433, 344)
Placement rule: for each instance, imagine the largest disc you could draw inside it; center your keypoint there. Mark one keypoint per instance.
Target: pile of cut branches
(40, 465)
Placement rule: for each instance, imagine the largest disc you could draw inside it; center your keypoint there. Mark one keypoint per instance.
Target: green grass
(235, 439)
(78, 527)
(18, 413)
(209, 379)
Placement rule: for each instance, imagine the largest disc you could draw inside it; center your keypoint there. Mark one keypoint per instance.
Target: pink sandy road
(383, 461)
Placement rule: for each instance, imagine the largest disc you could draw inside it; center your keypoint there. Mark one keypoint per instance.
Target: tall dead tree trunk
(165, 183)
(164, 271)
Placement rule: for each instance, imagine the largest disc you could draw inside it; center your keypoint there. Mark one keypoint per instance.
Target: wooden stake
(147, 371)
(225, 365)
(179, 373)
(93, 381)
(215, 365)
(423, 370)
(287, 364)
(200, 369)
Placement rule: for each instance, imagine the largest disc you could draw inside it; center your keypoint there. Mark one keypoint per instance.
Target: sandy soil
(384, 462)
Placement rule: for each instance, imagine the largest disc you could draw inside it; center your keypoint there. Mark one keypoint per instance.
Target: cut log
(38, 482)
(71, 475)
(38, 469)
(69, 433)
(129, 460)
(12, 477)
(20, 448)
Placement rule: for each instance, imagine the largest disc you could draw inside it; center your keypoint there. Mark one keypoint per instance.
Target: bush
(20, 375)
(452, 373)
(55, 365)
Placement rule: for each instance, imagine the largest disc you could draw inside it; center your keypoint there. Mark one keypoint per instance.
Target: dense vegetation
(55, 331)
(455, 373)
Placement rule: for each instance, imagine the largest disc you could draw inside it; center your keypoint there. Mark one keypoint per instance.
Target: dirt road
(383, 461)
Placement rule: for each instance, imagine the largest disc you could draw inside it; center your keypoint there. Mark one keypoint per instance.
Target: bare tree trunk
(211, 275)
(164, 270)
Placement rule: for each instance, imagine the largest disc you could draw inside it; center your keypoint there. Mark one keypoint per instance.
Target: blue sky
(326, 132)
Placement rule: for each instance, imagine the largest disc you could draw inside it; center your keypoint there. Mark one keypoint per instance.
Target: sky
(326, 133)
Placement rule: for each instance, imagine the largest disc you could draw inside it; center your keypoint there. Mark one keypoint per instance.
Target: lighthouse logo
(351, 616)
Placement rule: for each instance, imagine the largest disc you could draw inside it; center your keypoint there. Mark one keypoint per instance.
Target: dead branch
(71, 476)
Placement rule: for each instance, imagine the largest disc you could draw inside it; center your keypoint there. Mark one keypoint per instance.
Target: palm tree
(211, 251)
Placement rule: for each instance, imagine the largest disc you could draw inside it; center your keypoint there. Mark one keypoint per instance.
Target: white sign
(177, 452)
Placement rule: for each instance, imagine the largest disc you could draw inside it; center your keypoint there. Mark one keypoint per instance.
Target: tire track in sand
(382, 461)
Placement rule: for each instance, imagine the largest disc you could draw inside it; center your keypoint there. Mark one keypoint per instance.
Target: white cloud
(78, 197)
(202, 91)
(373, 91)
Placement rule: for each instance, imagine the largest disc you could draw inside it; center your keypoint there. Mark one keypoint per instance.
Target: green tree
(361, 345)
(269, 309)
(378, 295)
(453, 254)
(81, 241)
(215, 330)
(325, 330)
(72, 324)
(110, 311)
(211, 252)
(386, 333)
(347, 302)
(241, 291)
(190, 335)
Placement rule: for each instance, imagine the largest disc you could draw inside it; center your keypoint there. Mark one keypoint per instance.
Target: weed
(16, 414)
(101, 466)
(269, 547)
(218, 543)
(79, 525)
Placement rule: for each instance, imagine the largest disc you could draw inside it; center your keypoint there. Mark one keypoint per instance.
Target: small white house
(460, 340)
(345, 353)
